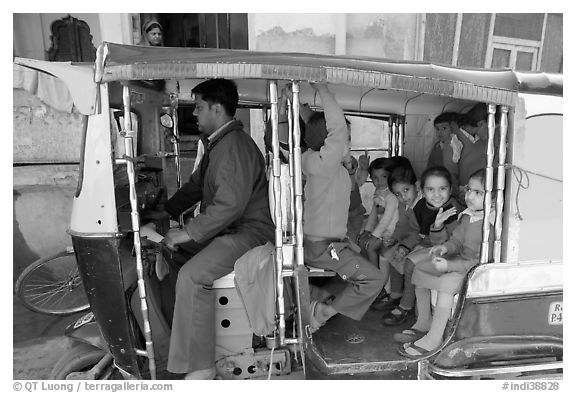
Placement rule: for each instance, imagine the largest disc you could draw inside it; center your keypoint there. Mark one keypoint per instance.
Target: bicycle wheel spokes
(53, 286)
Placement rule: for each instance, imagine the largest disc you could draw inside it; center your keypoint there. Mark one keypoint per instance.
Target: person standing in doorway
(152, 34)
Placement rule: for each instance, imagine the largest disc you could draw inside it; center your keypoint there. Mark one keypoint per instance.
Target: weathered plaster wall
(390, 36)
(42, 194)
(42, 134)
(377, 35)
(313, 33)
(42, 202)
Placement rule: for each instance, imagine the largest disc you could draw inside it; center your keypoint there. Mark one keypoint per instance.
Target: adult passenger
(327, 200)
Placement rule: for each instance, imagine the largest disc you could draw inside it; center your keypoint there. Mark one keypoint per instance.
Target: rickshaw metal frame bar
(500, 185)
(495, 371)
(488, 186)
(401, 134)
(131, 155)
(176, 147)
(390, 136)
(291, 169)
(300, 270)
(276, 187)
(298, 192)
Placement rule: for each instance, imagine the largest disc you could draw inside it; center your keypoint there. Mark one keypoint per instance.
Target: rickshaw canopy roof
(359, 83)
(126, 62)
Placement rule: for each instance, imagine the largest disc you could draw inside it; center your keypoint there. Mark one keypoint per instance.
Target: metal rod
(131, 154)
(298, 175)
(488, 186)
(501, 183)
(300, 270)
(176, 147)
(396, 135)
(391, 137)
(276, 187)
(401, 135)
(291, 122)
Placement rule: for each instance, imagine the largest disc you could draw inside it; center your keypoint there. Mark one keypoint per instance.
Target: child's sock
(433, 338)
(424, 311)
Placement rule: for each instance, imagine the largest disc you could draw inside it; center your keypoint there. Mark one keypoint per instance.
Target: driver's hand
(175, 237)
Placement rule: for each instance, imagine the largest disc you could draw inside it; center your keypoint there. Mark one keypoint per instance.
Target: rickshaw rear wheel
(52, 285)
(80, 358)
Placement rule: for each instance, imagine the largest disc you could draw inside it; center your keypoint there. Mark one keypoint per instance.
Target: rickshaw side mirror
(166, 120)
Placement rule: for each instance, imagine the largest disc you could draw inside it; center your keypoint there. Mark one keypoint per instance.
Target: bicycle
(52, 285)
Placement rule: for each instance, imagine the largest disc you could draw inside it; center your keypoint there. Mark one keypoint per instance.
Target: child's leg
(408, 292)
(373, 252)
(396, 283)
(383, 263)
(423, 302)
(384, 267)
(442, 312)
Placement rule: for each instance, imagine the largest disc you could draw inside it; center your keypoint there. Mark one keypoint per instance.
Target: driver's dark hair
(219, 91)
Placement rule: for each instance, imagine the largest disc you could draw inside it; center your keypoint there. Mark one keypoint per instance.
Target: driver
(234, 217)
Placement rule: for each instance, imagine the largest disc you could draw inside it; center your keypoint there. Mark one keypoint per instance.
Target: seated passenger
(355, 168)
(384, 214)
(444, 271)
(433, 220)
(403, 183)
(327, 199)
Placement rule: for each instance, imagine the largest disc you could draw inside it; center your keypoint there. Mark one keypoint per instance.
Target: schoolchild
(384, 214)
(473, 133)
(327, 199)
(434, 219)
(447, 148)
(403, 183)
(444, 270)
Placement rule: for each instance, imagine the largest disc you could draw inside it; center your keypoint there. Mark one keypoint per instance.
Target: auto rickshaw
(507, 321)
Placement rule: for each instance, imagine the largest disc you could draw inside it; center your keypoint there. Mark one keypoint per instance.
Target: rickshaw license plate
(555, 313)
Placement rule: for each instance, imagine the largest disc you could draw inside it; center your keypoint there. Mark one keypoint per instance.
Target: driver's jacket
(231, 184)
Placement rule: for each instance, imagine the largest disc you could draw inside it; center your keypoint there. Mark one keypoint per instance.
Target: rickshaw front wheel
(80, 363)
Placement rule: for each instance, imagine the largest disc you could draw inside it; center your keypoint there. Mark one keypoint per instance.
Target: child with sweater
(444, 270)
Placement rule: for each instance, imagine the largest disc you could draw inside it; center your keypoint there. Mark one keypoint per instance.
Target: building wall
(552, 58)
(473, 40)
(439, 37)
(42, 134)
(32, 35)
(390, 36)
(42, 194)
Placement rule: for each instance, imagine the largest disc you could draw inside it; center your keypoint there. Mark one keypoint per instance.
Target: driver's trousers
(192, 341)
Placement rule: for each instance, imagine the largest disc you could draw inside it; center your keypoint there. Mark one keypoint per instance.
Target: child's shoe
(387, 304)
(398, 318)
